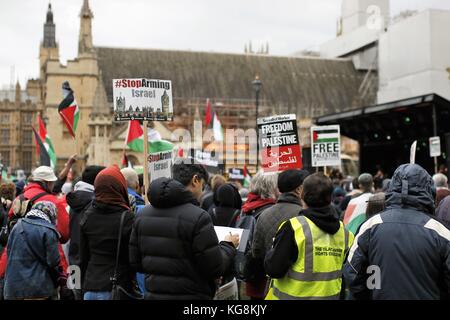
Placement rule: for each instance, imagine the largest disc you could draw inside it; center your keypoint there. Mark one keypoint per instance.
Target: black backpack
(244, 254)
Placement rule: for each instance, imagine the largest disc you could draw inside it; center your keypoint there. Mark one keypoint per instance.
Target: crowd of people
(309, 236)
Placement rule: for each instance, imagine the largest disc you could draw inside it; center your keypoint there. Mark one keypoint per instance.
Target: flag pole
(146, 182)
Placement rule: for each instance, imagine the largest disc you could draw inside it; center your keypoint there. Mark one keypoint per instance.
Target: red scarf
(255, 201)
(111, 188)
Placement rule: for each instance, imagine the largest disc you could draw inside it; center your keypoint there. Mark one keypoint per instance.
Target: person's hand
(72, 160)
(233, 238)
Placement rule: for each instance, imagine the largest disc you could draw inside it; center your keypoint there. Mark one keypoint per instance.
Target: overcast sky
(201, 25)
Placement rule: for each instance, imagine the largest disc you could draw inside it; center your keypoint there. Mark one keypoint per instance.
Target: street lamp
(257, 84)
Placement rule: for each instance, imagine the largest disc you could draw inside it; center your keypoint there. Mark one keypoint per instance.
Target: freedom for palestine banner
(278, 143)
(325, 146)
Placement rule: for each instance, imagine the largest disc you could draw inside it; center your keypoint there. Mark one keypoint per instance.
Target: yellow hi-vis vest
(317, 273)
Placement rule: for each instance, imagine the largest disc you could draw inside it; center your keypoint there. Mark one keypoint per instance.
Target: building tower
(85, 44)
(49, 49)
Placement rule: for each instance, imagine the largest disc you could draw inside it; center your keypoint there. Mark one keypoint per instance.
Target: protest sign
(236, 174)
(160, 165)
(412, 153)
(142, 99)
(435, 146)
(279, 143)
(325, 146)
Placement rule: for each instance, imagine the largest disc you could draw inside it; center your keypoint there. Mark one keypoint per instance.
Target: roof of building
(325, 85)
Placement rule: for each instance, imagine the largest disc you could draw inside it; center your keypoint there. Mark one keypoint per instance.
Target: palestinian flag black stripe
(44, 157)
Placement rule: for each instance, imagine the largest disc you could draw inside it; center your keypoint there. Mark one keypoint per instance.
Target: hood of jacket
(168, 193)
(81, 197)
(326, 218)
(289, 197)
(411, 187)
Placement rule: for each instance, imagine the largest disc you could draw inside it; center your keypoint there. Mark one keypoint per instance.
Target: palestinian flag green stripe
(137, 145)
(326, 140)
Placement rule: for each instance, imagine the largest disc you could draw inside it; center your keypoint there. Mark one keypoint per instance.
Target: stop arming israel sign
(279, 144)
(325, 146)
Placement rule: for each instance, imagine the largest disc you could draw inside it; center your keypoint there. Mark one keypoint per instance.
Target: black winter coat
(79, 202)
(174, 243)
(98, 247)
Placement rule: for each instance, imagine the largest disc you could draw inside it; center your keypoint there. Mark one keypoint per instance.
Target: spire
(49, 30)
(85, 44)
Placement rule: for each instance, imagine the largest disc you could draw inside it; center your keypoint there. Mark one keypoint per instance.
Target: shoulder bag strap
(39, 195)
(233, 219)
(119, 241)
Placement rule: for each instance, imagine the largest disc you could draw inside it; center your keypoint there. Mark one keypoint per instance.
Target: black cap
(290, 180)
(90, 173)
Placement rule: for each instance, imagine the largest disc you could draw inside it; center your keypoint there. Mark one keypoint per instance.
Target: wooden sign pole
(146, 182)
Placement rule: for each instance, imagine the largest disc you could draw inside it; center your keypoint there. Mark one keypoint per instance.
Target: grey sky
(201, 25)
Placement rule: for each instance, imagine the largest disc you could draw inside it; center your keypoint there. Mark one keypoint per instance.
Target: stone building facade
(18, 111)
(306, 86)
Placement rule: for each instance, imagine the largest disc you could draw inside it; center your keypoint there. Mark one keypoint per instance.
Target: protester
(99, 237)
(79, 200)
(33, 271)
(41, 183)
(136, 200)
(263, 195)
(297, 263)
(410, 249)
(440, 181)
(207, 199)
(173, 240)
(288, 206)
(227, 205)
(62, 177)
(355, 214)
(440, 195)
(375, 204)
(355, 192)
(20, 185)
(337, 197)
(385, 185)
(443, 211)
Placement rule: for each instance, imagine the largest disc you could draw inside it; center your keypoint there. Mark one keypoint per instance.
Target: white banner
(435, 146)
(160, 165)
(326, 146)
(142, 99)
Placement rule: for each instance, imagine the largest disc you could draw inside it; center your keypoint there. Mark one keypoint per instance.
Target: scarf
(254, 202)
(111, 188)
(45, 210)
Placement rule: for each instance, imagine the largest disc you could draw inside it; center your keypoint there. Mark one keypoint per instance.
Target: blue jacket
(26, 276)
(404, 247)
(136, 200)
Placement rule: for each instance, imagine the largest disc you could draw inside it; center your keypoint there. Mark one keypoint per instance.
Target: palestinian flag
(213, 122)
(44, 157)
(68, 109)
(160, 146)
(355, 214)
(47, 142)
(247, 178)
(208, 114)
(125, 161)
(325, 136)
(135, 138)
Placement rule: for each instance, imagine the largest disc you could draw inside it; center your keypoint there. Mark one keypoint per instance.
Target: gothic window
(27, 137)
(5, 158)
(4, 136)
(27, 160)
(4, 118)
(27, 118)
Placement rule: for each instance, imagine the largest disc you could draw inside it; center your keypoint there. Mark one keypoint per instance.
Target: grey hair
(440, 180)
(264, 185)
(130, 176)
(365, 180)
